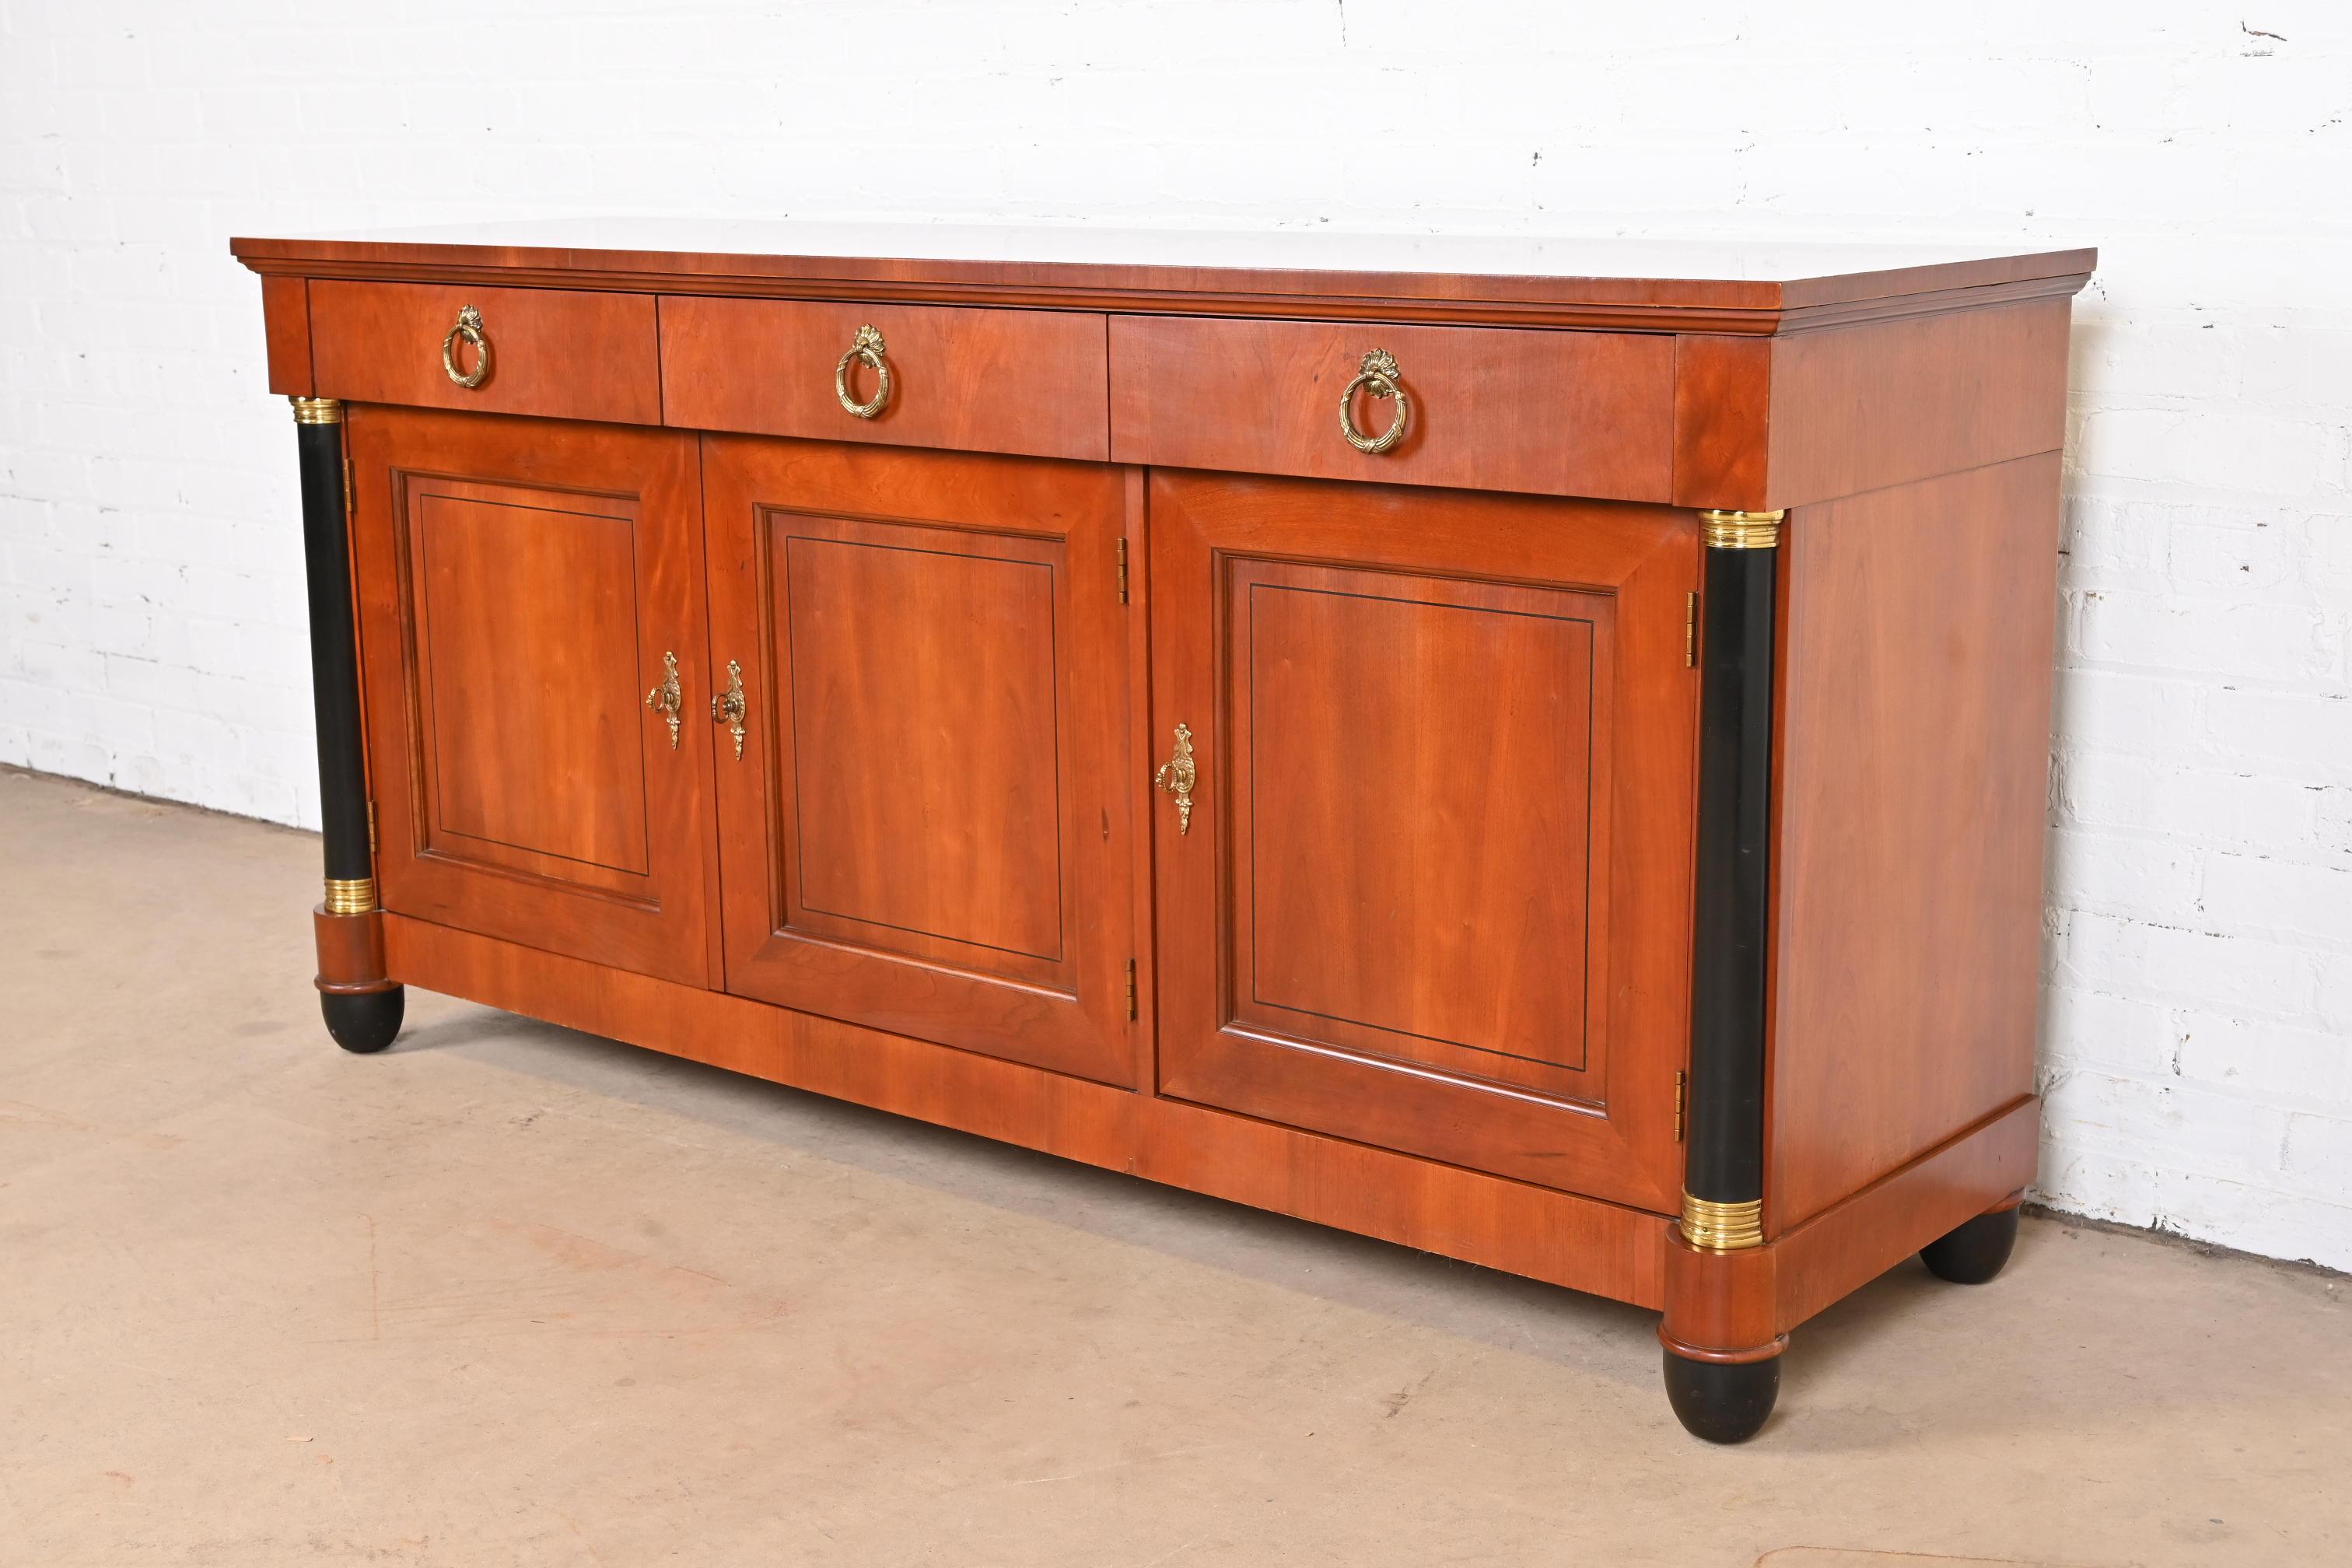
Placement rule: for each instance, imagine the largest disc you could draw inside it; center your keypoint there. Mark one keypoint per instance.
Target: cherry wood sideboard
(1533, 750)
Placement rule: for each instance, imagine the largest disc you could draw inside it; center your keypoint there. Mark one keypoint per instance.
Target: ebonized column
(1723, 1181)
(361, 1003)
(1724, 1387)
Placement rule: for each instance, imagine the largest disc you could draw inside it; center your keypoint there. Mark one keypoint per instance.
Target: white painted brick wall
(2198, 1030)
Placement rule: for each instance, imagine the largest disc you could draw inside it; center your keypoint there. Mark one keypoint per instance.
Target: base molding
(1585, 1244)
(1732, 1306)
(1723, 1307)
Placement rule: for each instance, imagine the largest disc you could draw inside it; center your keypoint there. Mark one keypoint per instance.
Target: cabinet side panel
(1915, 764)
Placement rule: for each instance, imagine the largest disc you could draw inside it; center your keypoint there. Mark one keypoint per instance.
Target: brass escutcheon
(728, 706)
(1177, 776)
(868, 348)
(667, 699)
(468, 326)
(1378, 373)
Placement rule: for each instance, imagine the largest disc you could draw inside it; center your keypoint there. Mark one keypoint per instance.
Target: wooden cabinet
(1532, 751)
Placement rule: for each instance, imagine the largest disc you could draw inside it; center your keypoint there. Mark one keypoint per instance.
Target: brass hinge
(1681, 1095)
(350, 489)
(370, 833)
(1130, 988)
(1690, 632)
(1122, 570)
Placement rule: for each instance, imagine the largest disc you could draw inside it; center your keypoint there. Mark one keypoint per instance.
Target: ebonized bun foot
(1723, 1402)
(1975, 1252)
(364, 1021)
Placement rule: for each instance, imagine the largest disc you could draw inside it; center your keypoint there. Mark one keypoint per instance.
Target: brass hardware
(1380, 375)
(371, 830)
(1682, 1100)
(317, 411)
(1690, 632)
(1177, 776)
(667, 700)
(350, 896)
(1122, 570)
(1741, 530)
(728, 708)
(1130, 988)
(351, 488)
(468, 326)
(868, 348)
(1723, 1227)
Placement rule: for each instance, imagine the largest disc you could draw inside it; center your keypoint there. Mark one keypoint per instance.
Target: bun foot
(1975, 1252)
(363, 1021)
(1723, 1402)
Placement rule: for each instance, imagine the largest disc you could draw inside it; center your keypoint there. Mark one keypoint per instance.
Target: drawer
(1029, 382)
(1554, 412)
(560, 352)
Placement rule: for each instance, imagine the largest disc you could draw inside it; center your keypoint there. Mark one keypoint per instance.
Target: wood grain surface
(929, 830)
(1426, 785)
(1029, 382)
(559, 354)
(1581, 413)
(520, 583)
(1913, 798)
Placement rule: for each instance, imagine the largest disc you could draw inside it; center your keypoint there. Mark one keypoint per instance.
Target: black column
(1723, 1182)
(334, 649)
(361, 1005)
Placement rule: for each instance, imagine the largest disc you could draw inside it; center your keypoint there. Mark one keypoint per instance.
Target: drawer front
(1026, 382)
(560, 353)
(1552, 413)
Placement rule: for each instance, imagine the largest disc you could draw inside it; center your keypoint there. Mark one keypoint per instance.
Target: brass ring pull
(468, 326)
(728, 708)
(1379, 372)
(868, 348)
(666, 698)
(1177, 776)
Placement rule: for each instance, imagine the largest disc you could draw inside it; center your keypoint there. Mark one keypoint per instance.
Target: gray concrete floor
(513, 1295)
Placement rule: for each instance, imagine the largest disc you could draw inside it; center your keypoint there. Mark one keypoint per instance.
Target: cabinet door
(524, 585)
(1433, 894)
(922, 831)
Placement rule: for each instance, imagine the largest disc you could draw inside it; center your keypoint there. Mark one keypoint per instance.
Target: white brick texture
(2198, 1027)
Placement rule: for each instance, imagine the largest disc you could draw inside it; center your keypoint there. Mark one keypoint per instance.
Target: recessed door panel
(531, 746)
(525, 586)
(924, 832)
(924, 728)
(1409, 895)
(1431, 893)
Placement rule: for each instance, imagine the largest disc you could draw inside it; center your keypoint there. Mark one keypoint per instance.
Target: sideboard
(1536, 751)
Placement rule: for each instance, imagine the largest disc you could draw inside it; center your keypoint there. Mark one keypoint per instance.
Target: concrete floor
(512, 1295)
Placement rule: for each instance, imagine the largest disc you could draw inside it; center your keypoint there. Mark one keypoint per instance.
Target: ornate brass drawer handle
(468, 326)
(868, 348)
(666, 698)
(1379, 372)
(1177, 776)
(728, 708)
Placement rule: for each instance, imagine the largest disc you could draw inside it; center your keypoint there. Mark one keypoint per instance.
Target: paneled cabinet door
(1433, 893)
(531, 594)
(920, 824)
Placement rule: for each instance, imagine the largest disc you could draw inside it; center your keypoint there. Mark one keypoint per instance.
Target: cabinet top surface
(1546, 280)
